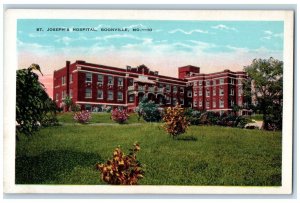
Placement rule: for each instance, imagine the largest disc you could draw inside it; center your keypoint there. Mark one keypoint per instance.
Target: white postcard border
(10, 66)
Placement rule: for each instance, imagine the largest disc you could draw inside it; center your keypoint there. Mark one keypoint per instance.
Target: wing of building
(96, 87)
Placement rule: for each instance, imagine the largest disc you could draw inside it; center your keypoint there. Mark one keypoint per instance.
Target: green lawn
(205, 155)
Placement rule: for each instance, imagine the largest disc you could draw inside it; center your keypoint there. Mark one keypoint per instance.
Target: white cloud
(29, 46)
(65, 40)
(237, 49)
(203, 45)
(35, 35)
(224, 27)
(188, 32)
(136, 26)
(268, 35)
(268, 32)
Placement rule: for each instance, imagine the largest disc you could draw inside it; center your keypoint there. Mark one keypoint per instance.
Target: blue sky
(212, 45)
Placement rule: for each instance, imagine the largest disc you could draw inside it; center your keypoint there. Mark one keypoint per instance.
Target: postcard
(148, 101)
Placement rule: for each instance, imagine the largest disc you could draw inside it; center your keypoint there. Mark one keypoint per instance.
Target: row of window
(216, 81)
(221, 92)
(64, 79)
(221, 104)
(100, 79)
(168, 88)
(110, 94)
(64, 94)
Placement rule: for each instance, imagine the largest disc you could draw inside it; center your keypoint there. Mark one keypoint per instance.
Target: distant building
(97, 87)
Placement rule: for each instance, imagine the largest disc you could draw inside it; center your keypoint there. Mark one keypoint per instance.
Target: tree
(265, 85)
(33, 105)
(175, 121)
(148, 110)
(68, 102)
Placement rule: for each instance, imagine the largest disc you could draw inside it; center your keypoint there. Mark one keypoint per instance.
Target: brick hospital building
(96, 87)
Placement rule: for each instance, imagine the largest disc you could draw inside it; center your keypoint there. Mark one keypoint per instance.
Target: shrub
(175, 121)
(75, 107)
(120, 116)
(149, 111)
(82, 116)
(241, 121)
(107, 109)
(33, 105)
(193, 116)
(122, 169)
(210, 118)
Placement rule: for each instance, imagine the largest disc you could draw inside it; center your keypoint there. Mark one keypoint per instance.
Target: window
(131, 98)
(222, 81)
(63, 80)
(231, 91)
(189, 93)
(88, 107)
(221, 103)
(110, 80)
(231, 81)
(175, 89)
(200, 92)
(168, 88)
(221, 92)
(168, 100)
(120, 96)
(174, 101)
(88, 93)
(71, 93)
(88, 77)
(232, 103)
(207, 82)
(195, 83)
(207, 92)
(100, 79)
(63, 95)
(160, 85)
(56, 96)
(214, 91)
(71, 78)
(130, 82)
(240, 92)
(110, 95)
(120, 81)
(99, 94)
(214, 104)
(195, 103)
(200, 82)
(160, 100)
(181, 89)
(200, 103)
(207, 104)
(195, 93)
(182, 101)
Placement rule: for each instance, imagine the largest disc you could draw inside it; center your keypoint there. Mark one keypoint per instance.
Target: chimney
(68, 76)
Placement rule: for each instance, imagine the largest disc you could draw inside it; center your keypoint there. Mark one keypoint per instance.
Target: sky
(159, 44)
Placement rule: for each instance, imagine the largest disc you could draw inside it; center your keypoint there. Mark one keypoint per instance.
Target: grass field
(205, 155)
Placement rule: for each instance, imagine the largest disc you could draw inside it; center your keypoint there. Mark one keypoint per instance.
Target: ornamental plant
(149, 111)
(82, 116)
(122, 169)
(175, 121)
(34, 107)
(119, 116)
